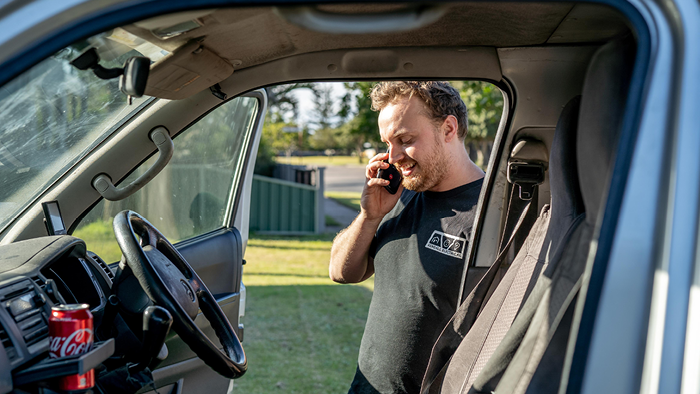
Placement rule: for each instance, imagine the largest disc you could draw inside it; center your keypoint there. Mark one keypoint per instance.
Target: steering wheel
(170, 282)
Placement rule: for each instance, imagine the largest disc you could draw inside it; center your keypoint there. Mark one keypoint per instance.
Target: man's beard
(429, 172)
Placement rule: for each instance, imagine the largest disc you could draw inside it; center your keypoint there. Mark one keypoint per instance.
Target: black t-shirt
(418, 254)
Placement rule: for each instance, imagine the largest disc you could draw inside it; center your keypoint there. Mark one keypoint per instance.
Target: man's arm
(350, 261)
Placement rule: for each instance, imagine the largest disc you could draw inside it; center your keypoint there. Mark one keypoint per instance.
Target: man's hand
(376, 201)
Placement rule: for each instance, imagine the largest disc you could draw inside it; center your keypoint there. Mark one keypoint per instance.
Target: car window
(53, 114)
(191, 195)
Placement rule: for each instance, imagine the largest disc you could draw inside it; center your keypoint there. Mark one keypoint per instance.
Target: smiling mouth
(407, 169)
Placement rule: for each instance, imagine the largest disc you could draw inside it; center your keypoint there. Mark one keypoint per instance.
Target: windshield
(52, 115)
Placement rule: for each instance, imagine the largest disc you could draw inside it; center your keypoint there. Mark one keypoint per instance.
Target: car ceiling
(545, 45)
(240, 38)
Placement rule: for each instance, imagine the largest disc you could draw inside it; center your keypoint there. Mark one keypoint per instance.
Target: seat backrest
(536, 366)
(476, 344)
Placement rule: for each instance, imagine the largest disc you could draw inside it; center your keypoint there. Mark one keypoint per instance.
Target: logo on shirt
(446, 244)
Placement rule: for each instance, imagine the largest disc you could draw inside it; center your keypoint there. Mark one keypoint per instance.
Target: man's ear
(450, 128)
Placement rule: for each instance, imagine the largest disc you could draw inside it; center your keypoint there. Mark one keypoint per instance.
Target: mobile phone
(392, 175)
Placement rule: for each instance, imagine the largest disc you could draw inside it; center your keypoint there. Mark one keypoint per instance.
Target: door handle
(311, 18)
(103, 183)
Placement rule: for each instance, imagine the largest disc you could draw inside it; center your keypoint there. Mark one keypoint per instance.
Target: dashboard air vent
(7, 344)
(26, 307)
(39, 282)
(102, 265)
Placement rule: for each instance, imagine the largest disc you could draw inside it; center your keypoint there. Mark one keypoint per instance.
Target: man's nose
(395, 154)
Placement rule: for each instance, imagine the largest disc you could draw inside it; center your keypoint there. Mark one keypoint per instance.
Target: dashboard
(34, 275)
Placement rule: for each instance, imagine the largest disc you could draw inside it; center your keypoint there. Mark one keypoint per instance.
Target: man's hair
(440, 99)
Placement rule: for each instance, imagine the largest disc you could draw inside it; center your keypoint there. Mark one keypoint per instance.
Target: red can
(70, 334)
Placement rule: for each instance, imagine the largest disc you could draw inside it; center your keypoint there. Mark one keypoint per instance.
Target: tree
(484, 103)
(274, 139)
(363, 125)
(323, 113)
(485, 107)
(282, 105)
(282, 112)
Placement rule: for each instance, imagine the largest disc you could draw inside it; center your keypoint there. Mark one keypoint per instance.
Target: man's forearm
(350, 261)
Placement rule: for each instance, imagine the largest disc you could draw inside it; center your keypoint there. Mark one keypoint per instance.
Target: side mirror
(133, 81)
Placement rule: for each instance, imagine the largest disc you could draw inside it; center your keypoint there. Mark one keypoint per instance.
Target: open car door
(198, 201)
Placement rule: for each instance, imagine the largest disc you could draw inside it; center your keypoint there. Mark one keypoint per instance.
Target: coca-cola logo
(78, 342)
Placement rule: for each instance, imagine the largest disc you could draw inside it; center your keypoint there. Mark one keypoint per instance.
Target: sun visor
(189, 70)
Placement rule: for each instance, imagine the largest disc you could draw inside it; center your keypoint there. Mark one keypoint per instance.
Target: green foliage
(265, 161)
(274, 139)
(322, 161)
(363, 125)
(326, 138)
(282, 105)
(323, 113)
(281, 113)
(351, 123)
(484, 105)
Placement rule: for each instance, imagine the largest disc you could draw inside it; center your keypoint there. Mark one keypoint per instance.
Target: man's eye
(406, 142)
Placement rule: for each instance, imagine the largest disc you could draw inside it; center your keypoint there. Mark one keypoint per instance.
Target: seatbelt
(516, 206)
(466, 314)
(493, 371)
(526, 169)
(525, 177)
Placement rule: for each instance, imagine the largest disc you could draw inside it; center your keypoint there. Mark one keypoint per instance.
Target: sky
(306, 104)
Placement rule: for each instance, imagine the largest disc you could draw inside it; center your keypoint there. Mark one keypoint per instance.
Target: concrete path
(339, 213)
(342, 179)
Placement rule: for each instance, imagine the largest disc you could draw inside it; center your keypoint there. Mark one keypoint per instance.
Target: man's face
(415, 142)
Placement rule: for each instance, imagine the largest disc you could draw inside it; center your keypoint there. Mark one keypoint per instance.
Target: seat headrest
(603, 101)
(567, 203)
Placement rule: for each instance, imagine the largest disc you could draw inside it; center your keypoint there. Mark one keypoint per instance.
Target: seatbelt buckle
(526, 175)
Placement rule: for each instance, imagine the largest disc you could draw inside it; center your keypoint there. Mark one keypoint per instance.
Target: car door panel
(199, 379)
(217, 258)
(178, 351)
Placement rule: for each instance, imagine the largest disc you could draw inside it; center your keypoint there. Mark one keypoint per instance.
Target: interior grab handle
(103, 183)
(313, 19)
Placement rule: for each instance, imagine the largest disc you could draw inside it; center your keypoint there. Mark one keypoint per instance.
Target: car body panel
(634, 323)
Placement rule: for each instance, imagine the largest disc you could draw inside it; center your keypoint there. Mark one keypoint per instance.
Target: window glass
(52, 115)
(191, 195)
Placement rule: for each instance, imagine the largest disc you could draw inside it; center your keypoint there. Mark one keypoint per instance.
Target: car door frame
(612, 261)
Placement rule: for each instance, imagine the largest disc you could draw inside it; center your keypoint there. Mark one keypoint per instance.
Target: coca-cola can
(70, 334)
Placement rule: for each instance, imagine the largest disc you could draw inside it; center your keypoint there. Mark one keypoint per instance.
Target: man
(414, 241)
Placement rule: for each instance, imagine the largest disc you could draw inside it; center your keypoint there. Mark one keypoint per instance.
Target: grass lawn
(302, 330)
(99, 238)
(322, 160)
(349, 199)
